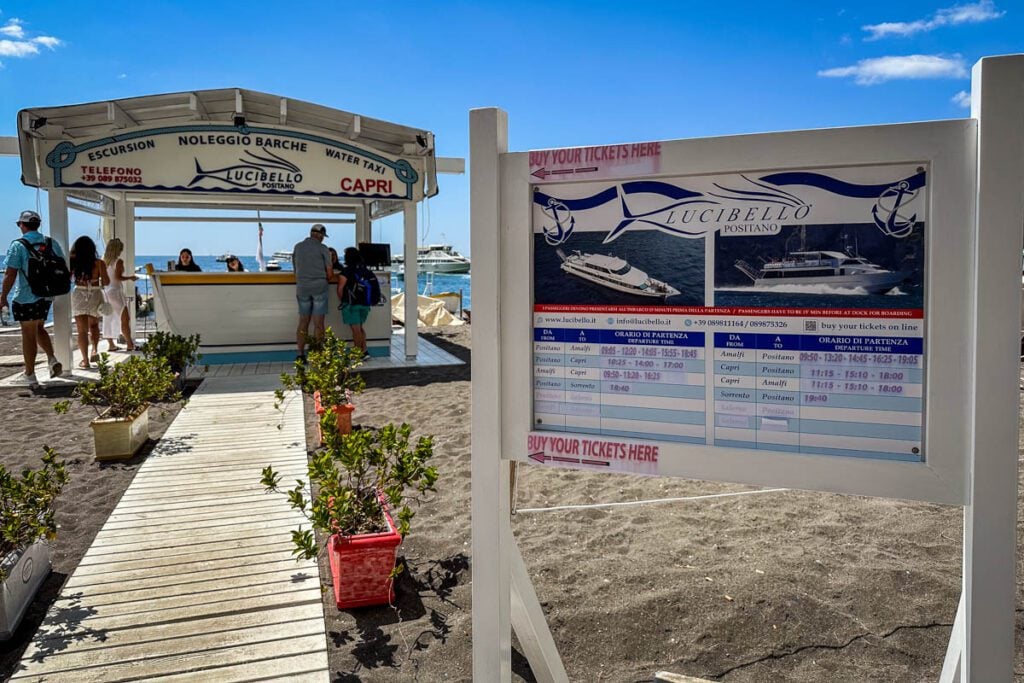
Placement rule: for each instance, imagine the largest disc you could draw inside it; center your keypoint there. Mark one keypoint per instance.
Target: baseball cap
(29, 217)
(318, 227)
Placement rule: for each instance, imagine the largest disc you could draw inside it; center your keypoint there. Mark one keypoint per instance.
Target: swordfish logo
(270, 172)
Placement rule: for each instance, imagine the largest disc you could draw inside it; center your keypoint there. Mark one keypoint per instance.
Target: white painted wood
(58, 217)
(9, 146)
(454, 165)
(997, 101)
(193, 576)
(492, 649)
(531, 626)
(411, 237)
(954, 651)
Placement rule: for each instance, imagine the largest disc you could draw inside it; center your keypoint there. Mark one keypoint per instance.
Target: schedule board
(773, 310)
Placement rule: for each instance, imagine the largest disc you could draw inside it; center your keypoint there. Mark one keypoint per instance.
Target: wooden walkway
(192, 577)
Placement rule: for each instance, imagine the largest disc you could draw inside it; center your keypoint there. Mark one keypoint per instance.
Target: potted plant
(364, 484)
(328, 374)
(179, 351)
(26, 523)
(121, 398)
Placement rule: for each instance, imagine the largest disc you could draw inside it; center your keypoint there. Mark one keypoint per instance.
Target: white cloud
(882, 69)
(13, 28)
(975, 13)
(962, 99)
(17, 48)
(15, 42)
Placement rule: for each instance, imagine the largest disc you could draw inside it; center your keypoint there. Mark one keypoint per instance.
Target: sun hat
(29, 217)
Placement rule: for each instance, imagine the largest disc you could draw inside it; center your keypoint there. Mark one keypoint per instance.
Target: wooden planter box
(25, 574)
(361, 566)
(342, 415)
(118, 438)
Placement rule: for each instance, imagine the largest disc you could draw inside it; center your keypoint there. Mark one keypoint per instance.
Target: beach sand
(770, 586)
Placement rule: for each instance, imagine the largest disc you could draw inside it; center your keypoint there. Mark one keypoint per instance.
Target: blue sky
(568, 73)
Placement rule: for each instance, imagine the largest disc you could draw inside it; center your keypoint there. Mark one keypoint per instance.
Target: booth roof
(92, 119)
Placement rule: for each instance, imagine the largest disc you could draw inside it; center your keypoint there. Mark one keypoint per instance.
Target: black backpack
(47, 273)
(363, 287)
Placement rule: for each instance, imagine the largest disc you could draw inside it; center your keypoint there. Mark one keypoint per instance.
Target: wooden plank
(193, 575)
(307, 668)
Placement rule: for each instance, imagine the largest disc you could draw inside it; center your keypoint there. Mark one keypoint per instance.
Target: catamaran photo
(830, 268)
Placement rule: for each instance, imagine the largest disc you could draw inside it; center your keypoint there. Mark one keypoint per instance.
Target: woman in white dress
(118, 322)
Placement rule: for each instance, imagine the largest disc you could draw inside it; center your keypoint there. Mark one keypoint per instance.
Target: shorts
(86, 301)
(37, 310)
(354, 314)
(312, 304)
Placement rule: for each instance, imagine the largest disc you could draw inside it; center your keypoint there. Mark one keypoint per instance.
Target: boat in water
(281, 256)
(835, 269)
(223, 257)
(273, 264)
(435, 258)
(614, 273)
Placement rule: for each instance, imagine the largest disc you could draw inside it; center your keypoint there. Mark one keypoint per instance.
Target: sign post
(788, 309)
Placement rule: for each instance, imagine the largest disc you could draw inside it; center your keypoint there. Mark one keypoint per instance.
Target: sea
(434, 283)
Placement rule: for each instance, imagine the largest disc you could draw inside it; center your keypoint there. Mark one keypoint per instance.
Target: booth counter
(252, 317)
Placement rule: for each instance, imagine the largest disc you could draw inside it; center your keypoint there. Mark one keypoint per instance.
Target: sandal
(84, 364)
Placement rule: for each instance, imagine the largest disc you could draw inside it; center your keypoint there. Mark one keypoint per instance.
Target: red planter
(361, 566)
(342, 415)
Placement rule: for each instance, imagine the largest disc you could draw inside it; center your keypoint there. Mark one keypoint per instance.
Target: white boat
(273, 264)
(831, 268)
(615, 273)
(435, 258)
(282, 256)
(223, 257)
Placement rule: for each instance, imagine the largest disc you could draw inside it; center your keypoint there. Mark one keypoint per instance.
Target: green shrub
(180, 352)
(329, 369)
(350, 472)
(27, 505)
(124, 389)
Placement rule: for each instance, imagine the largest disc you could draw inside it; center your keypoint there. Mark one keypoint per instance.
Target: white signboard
(778, 311)
(222, 158)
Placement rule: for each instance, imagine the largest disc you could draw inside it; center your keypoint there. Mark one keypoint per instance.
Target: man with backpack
(358, 290)
(37, 272)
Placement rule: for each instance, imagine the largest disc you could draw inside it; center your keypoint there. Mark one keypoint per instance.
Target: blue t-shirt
(17, 257)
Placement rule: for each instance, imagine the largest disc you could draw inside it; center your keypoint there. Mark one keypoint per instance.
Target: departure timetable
(692, 379)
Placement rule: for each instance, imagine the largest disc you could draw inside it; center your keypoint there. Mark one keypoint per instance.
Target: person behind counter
(186, 263)
(335, 261)
(235, 265)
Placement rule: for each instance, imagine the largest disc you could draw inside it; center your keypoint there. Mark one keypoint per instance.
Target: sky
(568, 74)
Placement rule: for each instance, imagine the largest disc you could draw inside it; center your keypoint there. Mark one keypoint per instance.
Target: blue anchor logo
(891, 222)
(560, 214)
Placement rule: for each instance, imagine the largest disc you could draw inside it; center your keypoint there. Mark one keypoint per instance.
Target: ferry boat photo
(834, 269)
(435, 258)
(614, 273)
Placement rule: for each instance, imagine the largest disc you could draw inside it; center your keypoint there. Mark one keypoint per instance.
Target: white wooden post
(492, 534)
(411, 279)
(363, 233)
(990, 519)
(128, 235)
(58, 210)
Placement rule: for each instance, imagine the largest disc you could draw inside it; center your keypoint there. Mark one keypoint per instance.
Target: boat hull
(875, 283)
(616, 286)
(447, 268)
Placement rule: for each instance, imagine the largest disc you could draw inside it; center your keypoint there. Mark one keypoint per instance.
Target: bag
(363, 288)
(47, 273)
(106, 308)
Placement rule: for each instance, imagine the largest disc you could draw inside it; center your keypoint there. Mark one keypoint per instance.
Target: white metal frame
(972, 311)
